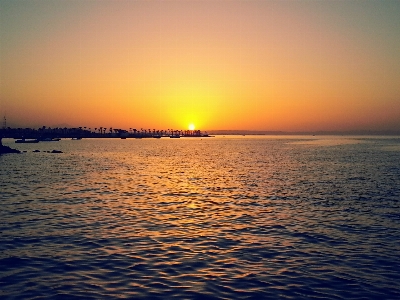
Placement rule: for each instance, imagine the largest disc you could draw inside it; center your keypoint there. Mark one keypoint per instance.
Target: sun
(191, 127)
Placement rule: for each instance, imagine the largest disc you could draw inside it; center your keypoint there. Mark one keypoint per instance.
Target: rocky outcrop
(5, 149)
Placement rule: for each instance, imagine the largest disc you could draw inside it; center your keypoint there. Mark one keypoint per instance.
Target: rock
(36, 151)
(6, 149)
(56, 151)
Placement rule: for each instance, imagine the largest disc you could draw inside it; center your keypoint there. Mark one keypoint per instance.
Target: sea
(225, 217)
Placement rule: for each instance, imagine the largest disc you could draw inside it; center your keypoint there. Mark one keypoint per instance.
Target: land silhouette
(47, 133)
(29, 135)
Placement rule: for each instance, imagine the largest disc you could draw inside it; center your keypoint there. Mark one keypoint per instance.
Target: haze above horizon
(249, 65)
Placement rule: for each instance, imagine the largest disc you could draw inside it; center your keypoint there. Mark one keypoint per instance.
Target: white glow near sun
(191, 127)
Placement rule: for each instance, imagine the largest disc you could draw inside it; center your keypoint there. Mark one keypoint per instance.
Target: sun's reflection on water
(206, 217)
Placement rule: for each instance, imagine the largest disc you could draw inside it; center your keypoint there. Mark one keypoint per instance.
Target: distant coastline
(264, 132)
(48, 133)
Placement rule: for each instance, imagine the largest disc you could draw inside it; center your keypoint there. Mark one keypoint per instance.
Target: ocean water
(272, 217)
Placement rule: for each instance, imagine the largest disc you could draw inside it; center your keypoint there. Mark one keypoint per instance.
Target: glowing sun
(191, 127)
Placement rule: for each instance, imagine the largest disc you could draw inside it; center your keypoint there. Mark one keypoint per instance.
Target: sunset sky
(252, 65)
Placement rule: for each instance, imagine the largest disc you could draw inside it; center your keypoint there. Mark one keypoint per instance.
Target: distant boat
(24, 141)
(76, 138)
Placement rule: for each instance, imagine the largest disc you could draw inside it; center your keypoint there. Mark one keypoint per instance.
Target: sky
(290, 65)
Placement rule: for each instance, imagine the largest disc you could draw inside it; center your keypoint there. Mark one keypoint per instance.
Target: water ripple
(242, 218)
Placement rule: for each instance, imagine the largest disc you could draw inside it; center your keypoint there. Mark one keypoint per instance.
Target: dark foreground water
(216, 218)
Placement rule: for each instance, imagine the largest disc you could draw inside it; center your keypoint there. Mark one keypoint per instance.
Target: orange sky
(255, 65)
